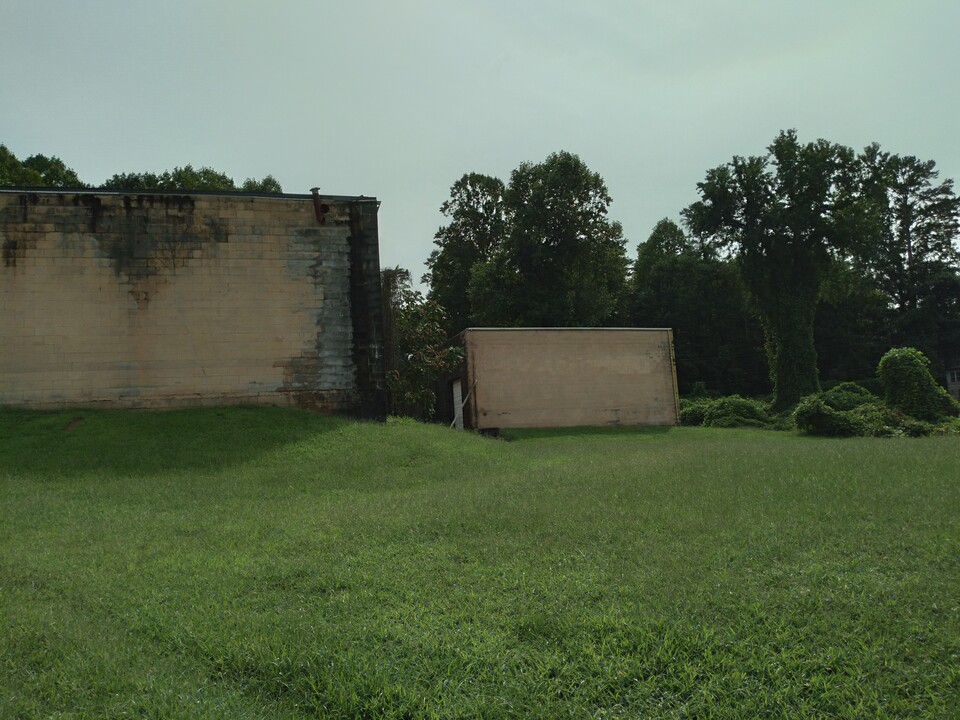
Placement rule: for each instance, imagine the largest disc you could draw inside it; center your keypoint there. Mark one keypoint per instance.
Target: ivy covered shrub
(815, 416)
(848, 396)
(910, 388)
(730, 411)
(693, 411)
(947, 427)
(736, 411)
(878, 420)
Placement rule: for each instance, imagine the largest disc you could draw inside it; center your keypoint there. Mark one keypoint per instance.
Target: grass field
(276, 564)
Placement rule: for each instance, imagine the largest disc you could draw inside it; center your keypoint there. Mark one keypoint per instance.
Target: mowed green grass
(255, 563)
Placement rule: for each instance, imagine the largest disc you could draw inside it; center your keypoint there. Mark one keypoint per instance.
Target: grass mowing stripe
(272, 563)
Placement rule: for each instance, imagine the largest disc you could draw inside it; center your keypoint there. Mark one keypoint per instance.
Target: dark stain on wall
(19, 235)
(10, 253)
(94, 204)
(153, 234)
(367, 310)
(26, 200)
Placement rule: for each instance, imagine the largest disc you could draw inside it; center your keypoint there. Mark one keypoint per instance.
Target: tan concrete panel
(569, 377)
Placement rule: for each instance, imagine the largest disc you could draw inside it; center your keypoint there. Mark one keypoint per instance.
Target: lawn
(258, 563)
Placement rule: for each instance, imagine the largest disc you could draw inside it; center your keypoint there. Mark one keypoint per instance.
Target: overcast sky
(399, 99)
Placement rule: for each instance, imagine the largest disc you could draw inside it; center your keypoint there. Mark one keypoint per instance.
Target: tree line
(43, 171)
(801, 264)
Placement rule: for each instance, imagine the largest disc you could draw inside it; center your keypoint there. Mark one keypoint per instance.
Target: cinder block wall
(159, 300)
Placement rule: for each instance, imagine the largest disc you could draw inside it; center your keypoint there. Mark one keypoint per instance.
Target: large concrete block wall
(160, 300)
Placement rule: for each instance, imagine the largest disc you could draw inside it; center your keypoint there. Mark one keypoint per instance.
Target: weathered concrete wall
(565, 377)
(159, 300)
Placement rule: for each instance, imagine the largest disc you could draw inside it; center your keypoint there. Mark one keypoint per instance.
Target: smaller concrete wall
(565, 377)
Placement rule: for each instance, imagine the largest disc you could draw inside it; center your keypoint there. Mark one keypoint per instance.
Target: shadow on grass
(139, 442)
(584, 431)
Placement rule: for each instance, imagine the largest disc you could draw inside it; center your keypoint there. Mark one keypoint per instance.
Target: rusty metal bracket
(319, 207)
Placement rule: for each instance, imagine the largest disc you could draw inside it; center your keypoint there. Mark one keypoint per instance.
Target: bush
(736, 411)
(948, 427)
(815, 417)
(692, 411)
(878, 420)
(910, 388)
(848, 396)
(738, 421)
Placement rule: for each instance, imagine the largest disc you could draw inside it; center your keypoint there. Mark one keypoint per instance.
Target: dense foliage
(681, 284)
(848, 396)
(725, 412)
(815, 416)
(418, 353)
(802, 264)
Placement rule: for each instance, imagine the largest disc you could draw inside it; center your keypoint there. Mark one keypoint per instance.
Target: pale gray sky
(399, 99)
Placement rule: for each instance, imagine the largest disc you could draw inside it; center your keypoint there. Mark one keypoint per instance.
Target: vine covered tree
(784, 215)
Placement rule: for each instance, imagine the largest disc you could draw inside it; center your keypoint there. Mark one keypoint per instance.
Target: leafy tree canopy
(666, 239)
(188, 178)
(478, 221)
(43, 171)
(36, 171)
(540, 251)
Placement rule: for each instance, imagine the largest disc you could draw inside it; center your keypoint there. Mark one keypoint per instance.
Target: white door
(457, 405)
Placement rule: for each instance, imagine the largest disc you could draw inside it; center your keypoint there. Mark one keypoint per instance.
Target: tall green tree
(681, 284)
(920, 217)
(784, 215)
(478, 222)
(914, 258)
(563, 260)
